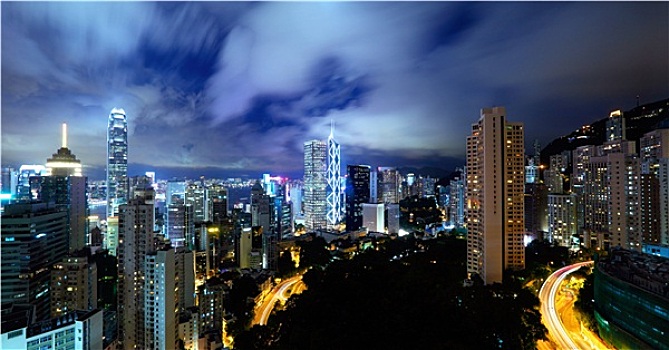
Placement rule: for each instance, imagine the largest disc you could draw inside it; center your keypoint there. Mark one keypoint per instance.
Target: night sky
(230, 89)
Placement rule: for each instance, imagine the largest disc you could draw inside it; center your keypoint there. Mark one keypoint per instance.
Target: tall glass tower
(117, 161)
(315, 184)
(334, 193)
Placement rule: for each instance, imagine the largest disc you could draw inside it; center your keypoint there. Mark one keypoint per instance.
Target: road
(557, 313)
(280, 292)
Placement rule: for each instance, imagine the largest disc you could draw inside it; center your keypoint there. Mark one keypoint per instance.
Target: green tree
(285, 265)
(240, 303)
(314, 252)
(585, 302)
(377, 301)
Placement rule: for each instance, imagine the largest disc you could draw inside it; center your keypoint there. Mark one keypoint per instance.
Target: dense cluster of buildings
(598, 196)
(611, 197)
(144, 272)
(141, 273)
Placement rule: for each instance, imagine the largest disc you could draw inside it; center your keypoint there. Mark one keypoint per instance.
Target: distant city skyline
(235, 89)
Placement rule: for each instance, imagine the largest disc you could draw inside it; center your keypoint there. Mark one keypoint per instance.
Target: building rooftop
(59, 322)
(20, 318)
(648, 272)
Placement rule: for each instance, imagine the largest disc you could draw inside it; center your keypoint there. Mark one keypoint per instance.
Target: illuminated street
(558, 315)
(280, 292)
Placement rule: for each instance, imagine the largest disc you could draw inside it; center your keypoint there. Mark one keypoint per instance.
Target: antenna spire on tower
(64, 143)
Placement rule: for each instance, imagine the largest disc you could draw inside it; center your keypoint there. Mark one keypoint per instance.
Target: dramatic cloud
(237, 88)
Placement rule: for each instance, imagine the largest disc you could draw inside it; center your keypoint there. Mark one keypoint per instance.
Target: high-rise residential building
(655, 144)
(654, 156)
(649, 207)
(189, 328)
(210, 297)
(562, 223)
(160, 316)
(117, 161)
(185, 278)
(663, 179)
(553, 177)
(560, 162)
(74, 282)
(136, 240)
(595, 202)
(34, 237)
(610, 196)
(615, 126)
(495, 182)
(334, 193)
(357, 193)
(373, 217)
(581, 157)
(315, 185)
(388, 185)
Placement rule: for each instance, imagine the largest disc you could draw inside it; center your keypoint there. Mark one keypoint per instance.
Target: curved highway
(281, 291)
(549, 312)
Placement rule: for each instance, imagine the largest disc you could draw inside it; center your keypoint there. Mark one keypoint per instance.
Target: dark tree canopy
(379, 301)
(314, 252)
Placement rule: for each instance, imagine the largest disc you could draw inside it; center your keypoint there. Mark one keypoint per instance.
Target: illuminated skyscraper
(34, 237)
(218, 203)
(495, 181)
(197, 195)
(357, 193)
(180, 227)
(63, 162)
(388, 185)
(334, 193)
(457, 199)
(117, 161)
(66, 188)
(315, 184)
